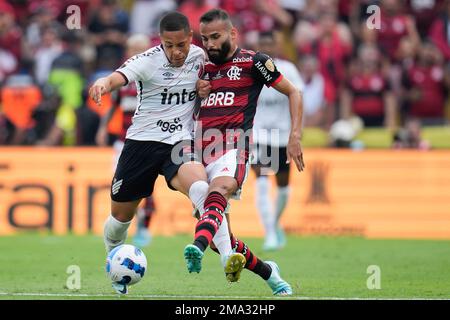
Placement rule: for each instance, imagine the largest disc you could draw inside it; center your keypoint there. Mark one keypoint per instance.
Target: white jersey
(272, 111)
(165, 95)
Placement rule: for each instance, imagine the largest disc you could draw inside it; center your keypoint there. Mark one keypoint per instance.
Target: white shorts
(233, 164)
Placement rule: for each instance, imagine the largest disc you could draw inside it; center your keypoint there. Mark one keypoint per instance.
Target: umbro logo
(168, 75)
(225, 170)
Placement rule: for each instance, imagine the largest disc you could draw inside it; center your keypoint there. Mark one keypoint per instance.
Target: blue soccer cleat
(281, 237)
(276, 283)
(193, 256)
(120, 288)
(142, 238)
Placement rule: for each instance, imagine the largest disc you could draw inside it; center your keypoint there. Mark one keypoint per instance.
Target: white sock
(282, 198)
(222, 239)
(198, 193)
(114, 232)
(265, 208)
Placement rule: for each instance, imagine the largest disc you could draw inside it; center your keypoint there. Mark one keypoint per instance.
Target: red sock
(253, 263)
(210, 221)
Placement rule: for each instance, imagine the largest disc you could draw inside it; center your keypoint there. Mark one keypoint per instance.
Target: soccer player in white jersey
(270, 136)
(167, 79)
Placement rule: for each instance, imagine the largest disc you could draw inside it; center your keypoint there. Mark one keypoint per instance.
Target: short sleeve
(140, 67)
(265, 70)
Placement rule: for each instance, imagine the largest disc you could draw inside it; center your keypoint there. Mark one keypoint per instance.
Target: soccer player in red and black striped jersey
(224, 124)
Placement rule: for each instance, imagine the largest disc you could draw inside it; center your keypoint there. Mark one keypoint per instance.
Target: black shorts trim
(266, 154)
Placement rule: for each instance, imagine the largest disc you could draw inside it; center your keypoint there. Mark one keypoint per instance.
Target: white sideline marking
(80, 295)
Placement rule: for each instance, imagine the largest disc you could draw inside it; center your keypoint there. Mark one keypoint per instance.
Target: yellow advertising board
(375, 194)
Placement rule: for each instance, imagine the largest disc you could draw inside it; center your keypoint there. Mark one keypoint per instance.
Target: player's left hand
(294, 152)
(203, 88)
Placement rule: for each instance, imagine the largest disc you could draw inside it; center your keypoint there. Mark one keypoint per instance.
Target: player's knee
(123, 212)
(223, 189)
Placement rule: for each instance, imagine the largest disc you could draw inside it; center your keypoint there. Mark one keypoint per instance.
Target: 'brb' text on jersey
(235, 87)
(165, 94)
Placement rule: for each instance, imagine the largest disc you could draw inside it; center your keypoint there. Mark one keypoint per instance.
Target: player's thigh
(228, 173)
(187, 174)
(124, 211)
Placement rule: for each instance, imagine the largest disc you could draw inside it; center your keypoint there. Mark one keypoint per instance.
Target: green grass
(316, 267)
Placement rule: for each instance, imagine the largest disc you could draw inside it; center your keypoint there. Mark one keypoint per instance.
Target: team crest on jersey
(269, 65)
(234, 73)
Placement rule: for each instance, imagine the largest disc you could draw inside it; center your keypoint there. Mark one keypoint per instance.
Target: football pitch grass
(35, 266)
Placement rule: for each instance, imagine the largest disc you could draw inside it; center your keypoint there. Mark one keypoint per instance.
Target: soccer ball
(126, 264)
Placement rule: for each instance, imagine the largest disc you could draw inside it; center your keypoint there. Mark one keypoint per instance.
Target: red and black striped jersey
(235, 88)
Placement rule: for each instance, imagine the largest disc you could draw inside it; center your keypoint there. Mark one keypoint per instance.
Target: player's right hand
(96, 91)
(203, 88)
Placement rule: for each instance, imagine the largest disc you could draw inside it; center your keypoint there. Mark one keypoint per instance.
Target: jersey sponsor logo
(219, 99)
(263, 71)
(177, 97)
(170, 126)
(234, 73)
(249, 59)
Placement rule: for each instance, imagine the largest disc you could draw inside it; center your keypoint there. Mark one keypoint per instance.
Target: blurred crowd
(385, 63)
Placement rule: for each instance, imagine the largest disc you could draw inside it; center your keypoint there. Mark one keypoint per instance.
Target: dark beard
(222, 53)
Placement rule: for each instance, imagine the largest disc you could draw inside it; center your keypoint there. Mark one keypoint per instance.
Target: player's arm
(105, 85)
(294, 148)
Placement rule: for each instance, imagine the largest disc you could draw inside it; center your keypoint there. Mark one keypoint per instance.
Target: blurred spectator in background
(194, 9)
(409, 136)
(10, 41)
(145, 15)
(109, 28)
(331, 42)
(425, 90)
(424, 13)
(254, 16)
(395, 24)
(47, 51)
(313, 93)
(367, 93)
(20, 97)
(66, 75)
(439, 31)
